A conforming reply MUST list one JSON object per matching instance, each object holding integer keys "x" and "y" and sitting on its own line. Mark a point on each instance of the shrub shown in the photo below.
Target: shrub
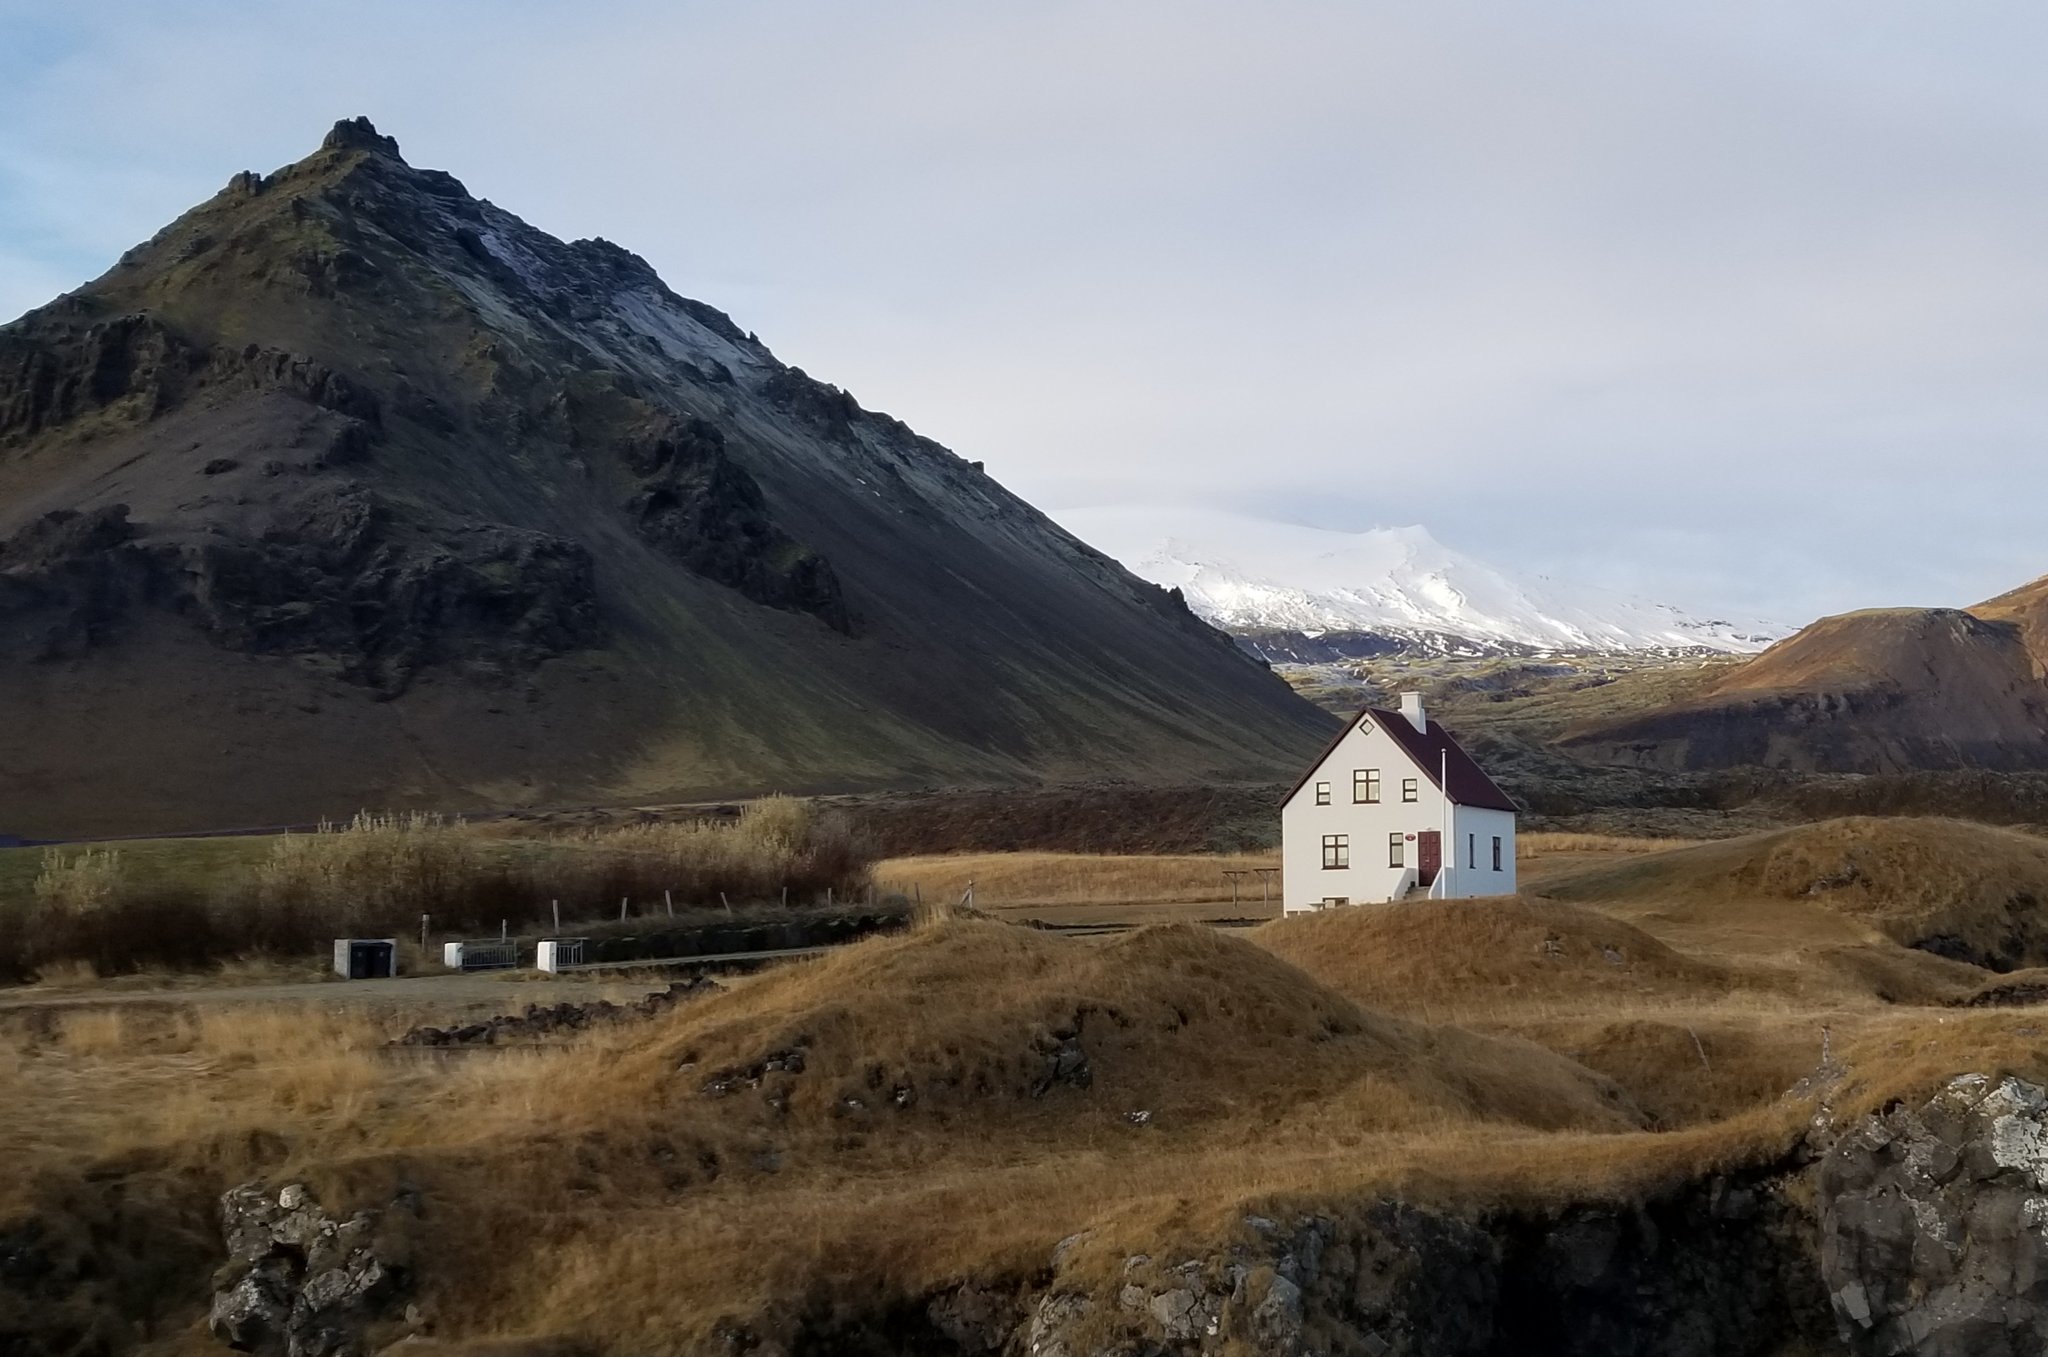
{"x": 78, "y": 886}
{"x": 376, "y": 875}
{"x": 85, "y": 910}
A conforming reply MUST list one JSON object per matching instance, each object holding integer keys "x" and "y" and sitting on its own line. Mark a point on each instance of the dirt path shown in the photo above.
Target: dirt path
{"x": 502, "y": 990}
{"x": 1133, "y": 915}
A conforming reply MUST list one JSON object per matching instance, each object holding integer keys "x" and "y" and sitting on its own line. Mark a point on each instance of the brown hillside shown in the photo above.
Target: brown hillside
{"x": 1890, "y": 690}
{"x": 2027, "y": 608}
{"x": 1959, "y": 889}
{"x": 877, "y": 1123}
{"x": 348, "y": 488}
{"x": 1458, "y": 958}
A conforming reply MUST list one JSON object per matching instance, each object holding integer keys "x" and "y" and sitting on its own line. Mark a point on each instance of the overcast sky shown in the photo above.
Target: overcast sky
{"x": 1742, "y": 305}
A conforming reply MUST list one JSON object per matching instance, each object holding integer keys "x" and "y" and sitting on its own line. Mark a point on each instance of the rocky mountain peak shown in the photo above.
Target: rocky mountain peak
{"x": 352, "y": 434}
{"x": 360, "y": 134}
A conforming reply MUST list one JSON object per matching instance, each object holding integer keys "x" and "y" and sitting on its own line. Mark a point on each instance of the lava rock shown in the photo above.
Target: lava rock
{"x": 545, "y": 1020}
{"x": 1934, "y": 1225}
{"x": 300, "y": 1282}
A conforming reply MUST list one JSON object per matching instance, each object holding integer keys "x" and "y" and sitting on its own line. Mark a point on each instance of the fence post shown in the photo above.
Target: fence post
{"x": 425, "y": 919}
{"x": 504, "y": 929}
{"x": 622, "y": 909}
{"x": 668, "y": 900}
{"x": 558, "y": 915}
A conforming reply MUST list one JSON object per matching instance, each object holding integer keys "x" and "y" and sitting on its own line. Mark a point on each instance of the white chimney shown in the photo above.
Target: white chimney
{"x": 1411, "y": 707}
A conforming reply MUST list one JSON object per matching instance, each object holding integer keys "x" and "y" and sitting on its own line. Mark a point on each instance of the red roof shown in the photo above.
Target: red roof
{"x": 1433, "y": 751}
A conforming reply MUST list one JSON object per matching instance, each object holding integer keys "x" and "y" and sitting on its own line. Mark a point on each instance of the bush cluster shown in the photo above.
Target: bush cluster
{"x": 376, "y": 875}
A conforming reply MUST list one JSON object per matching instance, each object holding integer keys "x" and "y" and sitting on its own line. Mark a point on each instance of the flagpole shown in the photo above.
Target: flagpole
{"x": 1449, "y": 852}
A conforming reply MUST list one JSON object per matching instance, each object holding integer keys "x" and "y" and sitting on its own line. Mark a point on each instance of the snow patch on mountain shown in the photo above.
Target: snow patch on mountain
{"x": 1254, "y": 575}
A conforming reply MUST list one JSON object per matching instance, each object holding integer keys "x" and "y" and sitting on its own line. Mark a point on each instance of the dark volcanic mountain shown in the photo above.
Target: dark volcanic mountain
{"x": 1883, "y": 691}
{"x": 350, "y": 489}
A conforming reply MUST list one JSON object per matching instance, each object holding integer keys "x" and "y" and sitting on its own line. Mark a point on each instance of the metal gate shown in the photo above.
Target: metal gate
{"x": 560, "y": 953}
{"x": 492, "y": 954}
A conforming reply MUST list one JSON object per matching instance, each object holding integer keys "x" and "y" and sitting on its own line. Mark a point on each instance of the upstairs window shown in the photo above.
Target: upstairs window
{"x": 1322, "y": 793}
{"x": 1365, "y": 787}
{"x": 1411, "y": 790}
{"x": 1394, "y": 851}
{"x": 1496, "y": 852}
{"x": 1336, "y": 852}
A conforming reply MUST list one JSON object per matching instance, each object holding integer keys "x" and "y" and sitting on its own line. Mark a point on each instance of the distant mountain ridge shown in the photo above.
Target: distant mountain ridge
{"x": 1885, "y": 690}
{"x": 1306, "y": 593}
{"x": 350, "y": 489}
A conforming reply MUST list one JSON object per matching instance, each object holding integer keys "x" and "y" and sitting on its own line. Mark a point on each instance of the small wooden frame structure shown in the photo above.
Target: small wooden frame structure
{"x": 1264, "y": 874}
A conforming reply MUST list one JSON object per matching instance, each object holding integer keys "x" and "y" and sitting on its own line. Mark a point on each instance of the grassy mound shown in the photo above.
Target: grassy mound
{"x": 824, "y": 1146}
{"x": 1472, "y": 959}
{"x": 1190, "y": 1025}
{"x": 1966, "y": 891}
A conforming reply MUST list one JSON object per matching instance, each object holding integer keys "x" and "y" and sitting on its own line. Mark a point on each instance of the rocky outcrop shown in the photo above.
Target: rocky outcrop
{"x": 1719, "y": 1270}
{"x": 701, "y": 507}
{"x": 300, "y": 1282}
{"x": 1934, "y": 1225}
{"x": 69, "y": 361}
{"x": 547, "y": 1020}
{"x": 342, "y": 579}
{"x": 68, "y": 365}
{"x": 693, "y": 500}
{"x": 357, "y": 584}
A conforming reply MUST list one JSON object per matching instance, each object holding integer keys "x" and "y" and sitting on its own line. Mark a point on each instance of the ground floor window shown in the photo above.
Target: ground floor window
{"x": 1496, "y": 852}
{"x": 1394, "y": 842}
{"x": 1333, "y": 901}
{"x": 1471, "y": 850}
{"x": 1336, "y": 851}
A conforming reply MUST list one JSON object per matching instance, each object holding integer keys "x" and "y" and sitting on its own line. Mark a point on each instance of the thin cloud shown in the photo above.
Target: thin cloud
{"x": 1733, "y": 303}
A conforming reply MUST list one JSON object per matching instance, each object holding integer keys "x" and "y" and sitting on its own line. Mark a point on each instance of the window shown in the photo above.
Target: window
{"x": 1496, "y": 852}
{"x": 1336, "y": 851}
{"x": 1471, "y": 850}
{"x": 1410, "y": 789}
{"x": 1333, "y": 901}
{"x": 1322, "y": 793}
{"x": 1365, "y": 786}
{"x": 1394, "y": 850}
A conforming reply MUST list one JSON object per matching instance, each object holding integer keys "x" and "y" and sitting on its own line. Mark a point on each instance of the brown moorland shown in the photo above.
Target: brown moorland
{"x": 650, "y": 1186}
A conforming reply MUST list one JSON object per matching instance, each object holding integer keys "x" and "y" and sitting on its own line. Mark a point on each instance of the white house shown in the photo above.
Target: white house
{"x": 1394, "y": 809}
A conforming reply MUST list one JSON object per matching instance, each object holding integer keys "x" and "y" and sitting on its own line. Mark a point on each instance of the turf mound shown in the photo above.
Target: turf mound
{"x": 984, "y": 1023}
{"x": 1965, "y": 891}
{"x": 1457, "y": 958}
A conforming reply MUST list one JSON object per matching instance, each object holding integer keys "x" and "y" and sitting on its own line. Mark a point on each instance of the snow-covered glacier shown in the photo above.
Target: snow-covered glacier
{"x": 1252, "y": 575}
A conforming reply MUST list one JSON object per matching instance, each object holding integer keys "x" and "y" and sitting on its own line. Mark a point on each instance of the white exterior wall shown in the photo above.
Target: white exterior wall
{"x": 1473, "y": 835}
{"x": 1370, "y": 879}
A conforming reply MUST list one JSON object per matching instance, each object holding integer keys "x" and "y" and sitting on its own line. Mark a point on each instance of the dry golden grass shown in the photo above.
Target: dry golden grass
{"x": 1545, "y": 844}
{"x": 1908, "y": 879}
{"x": 1002, "y": 879}
{"x": 1482, "y": 1053}
{"x": 1458, "y": 959}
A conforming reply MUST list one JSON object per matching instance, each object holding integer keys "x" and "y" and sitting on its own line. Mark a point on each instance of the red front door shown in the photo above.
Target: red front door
{"x": 1429, "y": 856}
